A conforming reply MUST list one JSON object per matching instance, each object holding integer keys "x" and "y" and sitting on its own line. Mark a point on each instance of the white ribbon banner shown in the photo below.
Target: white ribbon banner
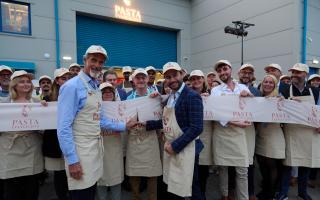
{"x": 27, "y": 116}
{"x": 33, "y": 116}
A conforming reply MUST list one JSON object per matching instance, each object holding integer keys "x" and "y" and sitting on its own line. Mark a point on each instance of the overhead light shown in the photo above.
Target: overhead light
{"x": 315, "y": 61}
{"x": 66, "y": 58}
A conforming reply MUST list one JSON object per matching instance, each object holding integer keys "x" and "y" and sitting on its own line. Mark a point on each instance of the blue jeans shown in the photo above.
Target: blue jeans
{"x": 303, "y": 176}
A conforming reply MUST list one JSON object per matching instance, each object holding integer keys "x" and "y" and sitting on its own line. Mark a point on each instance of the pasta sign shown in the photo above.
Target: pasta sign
{"x": 127, "y": 13}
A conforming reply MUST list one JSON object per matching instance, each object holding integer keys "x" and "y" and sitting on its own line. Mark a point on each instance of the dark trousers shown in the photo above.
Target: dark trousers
{"x": 270, "y": 170}
{"x": 61, "y": 184}
{"x": 25, "y": 187}
{"x": 203, "y": 173}
{"x": 303, "y": 177}
{"x": 1, "y": 190}
{"x": 84, "y": 194}
{"x": 251, "y": 180}
{"x": 313, "y": 174}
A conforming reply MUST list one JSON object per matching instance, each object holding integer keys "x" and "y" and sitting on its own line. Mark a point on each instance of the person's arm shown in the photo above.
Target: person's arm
{"x": 68, "y": 102}
{"x": 195, "y": 116}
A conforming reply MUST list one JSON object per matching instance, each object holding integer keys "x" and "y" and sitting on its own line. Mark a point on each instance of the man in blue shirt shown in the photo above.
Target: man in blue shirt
{"x": 5, "y": 74}
{"x": 80, "y": 117}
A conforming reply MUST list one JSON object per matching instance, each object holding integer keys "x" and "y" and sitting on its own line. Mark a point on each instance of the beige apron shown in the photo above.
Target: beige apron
{"x": 302, "y": 142}
{"x": 230, "y": 146}
{"x": 143, "y": 154}
{"x": 206, "y": 157}
{"x": 270, "y": 141}
{"x": 113, "y": 171}
{"x": 88, "y": 141}
{"x": 20, "y": 154}
{"x": 54, "y": 164}
{"x": 251, "y": 141}
{"x": 178, "y": 168}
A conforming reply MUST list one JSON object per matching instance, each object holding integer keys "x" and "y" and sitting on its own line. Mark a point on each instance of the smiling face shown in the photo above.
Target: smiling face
{"x": 5, "y": 78}
{"x": 197, "y": 82}
{"x": 298, "y": 76}
{"x": 45, "y": 84}
{"x": 23, "y": 86}
{"x": 140, "y": 81}
{"x": 93, "y": 64}
{"x": 107, "y": 94}
{"x": 224, "y": 72}
{"x": 268, "y": 85}
{"x": 315, "y": 82}
{"x": 246, "y": 75}
{"x": 174, "y": 79}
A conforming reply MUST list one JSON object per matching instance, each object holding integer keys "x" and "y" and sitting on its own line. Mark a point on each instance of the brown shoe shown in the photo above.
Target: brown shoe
{"x": 312, "y": 183}
{"x": 293, "y": 181}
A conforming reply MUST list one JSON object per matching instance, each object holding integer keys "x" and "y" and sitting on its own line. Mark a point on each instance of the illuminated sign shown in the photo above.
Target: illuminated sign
{"x": 127, "y": 13}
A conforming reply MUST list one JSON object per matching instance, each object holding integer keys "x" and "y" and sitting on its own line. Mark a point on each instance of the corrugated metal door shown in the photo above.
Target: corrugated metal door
{"x": 126, "y": 44}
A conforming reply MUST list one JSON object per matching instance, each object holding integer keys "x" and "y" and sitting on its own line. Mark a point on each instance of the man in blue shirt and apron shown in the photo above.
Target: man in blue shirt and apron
{"x": 80, "y": 117}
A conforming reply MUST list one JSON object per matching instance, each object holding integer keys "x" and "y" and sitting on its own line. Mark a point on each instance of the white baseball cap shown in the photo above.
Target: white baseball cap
{"x": 139, "y": 71}
{"x": 196, "y": 73}
{"x": 60, "y": 72}
{"x": 105, "y": 85}
{"x": 74, "y": 65}
{"x": 274, "y": 65}
{"x": 247, "y": 65}
{"x": 126, "y": 69}
{"x": 97, "y": 49}
{"x": 44, "y": 77}
{"x": 4, "y": 67}
{"x": 300, "y": 67}
{"x": 211, "y": 73}
{"x": 21, "y": 73}
{"x": 313, "y": 76}
{"x": 284, "y": 76}
{"x": 171, "y": 65}
{"x": 150, "y": 68}
{"x": 225, "y": 62}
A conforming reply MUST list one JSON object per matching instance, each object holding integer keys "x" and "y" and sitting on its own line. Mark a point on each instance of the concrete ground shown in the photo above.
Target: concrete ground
{"x": 47, "y": 190}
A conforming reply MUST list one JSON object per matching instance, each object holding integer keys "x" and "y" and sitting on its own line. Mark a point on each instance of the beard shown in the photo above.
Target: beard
{"x": 94, "y": 75}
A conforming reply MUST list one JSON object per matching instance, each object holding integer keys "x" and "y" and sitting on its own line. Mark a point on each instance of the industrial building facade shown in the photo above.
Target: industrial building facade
{"x": 41, "y": 35}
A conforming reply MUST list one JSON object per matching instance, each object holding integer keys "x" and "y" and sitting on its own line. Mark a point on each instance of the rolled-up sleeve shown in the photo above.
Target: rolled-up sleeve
{"x": 67, "y": 110}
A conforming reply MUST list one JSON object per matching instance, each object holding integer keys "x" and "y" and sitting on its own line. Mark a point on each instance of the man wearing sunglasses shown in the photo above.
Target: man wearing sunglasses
{"x": 5, "y": 74}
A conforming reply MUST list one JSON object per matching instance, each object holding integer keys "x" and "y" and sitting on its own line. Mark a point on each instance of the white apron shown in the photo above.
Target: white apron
{"x": 230, "y": 146}
{"x": 20, "y": 154}
{"x": 302, "y": 142}
{"x": 270, "y": 141}
{"x": 206, "y": 156}
{"x": 88, "y": 141}
{"x": 251, "y": 141}
{"x": 178, "y": 168}
{"x": 113, "y": 171}
{"x": 143, "y": 154}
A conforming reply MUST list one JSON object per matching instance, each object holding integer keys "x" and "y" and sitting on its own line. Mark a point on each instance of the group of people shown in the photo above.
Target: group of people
{"x": 91, "y": 156}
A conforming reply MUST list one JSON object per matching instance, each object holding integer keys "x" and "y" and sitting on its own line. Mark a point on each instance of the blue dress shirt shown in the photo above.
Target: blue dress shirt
{"x": 72, "y": 98}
